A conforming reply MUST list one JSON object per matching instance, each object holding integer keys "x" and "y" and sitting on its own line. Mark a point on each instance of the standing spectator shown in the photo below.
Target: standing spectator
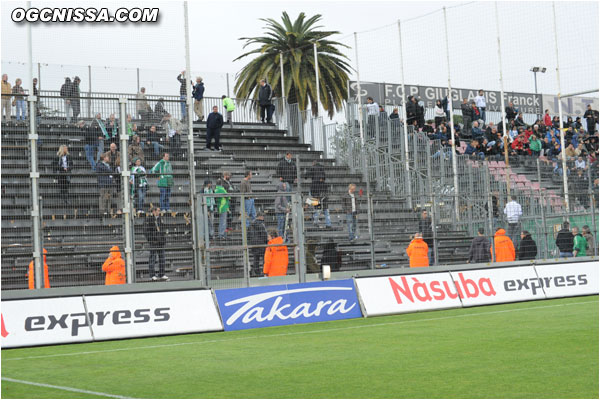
{"x": 64, "y": 167}
{"x": 257, "y": 236}
{"x": 142, "y": 108}
{"x": 286, "y": 172}
{"x": 467, "y": 114}
{"x": 115, "y": 165}
{"x": 31, "y": 274}
{"x": 198, "y": 95}
{"x": 505, "y": 250}
{"x": 421, "y": 113}
{"x": 447, "y": 106}
{"x": 513, "y": 212}
{"x": 394, "y": 116}
{"x": 417, "y": 252}
{"x": 172, "y": 127}
{"x": 112, "y": 127}
{"x": 276, "y": 257}
{"x": 547, "y": 119}
{"x": 229, "y": 106}
{"x": 527, "y": 248}
{"x": 265, "y": 94}
{"x": 165, "y": 181}
{"x": 479, "y": 250}
{"x": 350, "y": 208}
{"x": 153, "y": 139}
{"x": 6, "y": 92}
{"x": 210, "y": 207}
{"x": 438, "y": 113}
{"x": 372, "y": 114}
{"x": 411, "y": 110}
{"x": 114, "y": 266}
{"x": 99, "y": 128}
{"x": 589, "y": 238}
{"x": 75, "y": 97}
{"x": 535, "y": 145}
{"x": 156, "y": 235}
{"x": 214, "y": 123}
{"x": 281, "y": 208}
{"x": 222, "y": 208}
{"x": 564, "y": 241}
{"x": 427, "y": 234}
{"x": 105, "y": 184}
{"x": 246, "y": 187}
{"x": 134, "y": 150}
{"x": 579, "y": 243}
{"x": 511, "y": 112}
{"x": 139, "y": 183}
{"x": 19, "y": 100}
{"x": 94, "y": 142}
{"x": 230, "y": 188}
{"x": 591, "y": 119}
{"x": 159, "y": 109}
{"x": 182, "y": 93}
{"x": 480, "y": 103}
{"x": 65, "y": 93}
{"x": 318, "y": 189}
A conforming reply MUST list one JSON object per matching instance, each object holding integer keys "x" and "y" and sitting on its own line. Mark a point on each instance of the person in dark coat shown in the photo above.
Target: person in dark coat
{"x": 155, "y": 232}
{"x": 75, "y": 97}
{"x": 564, "y": 241}
{"x": 331, "y": 256}
{"x": 591, "y": 118}
{"x": 286, "y": 172}
{"x": 66, "y": 93}
{"x": 265, "y": 93}
{"x": 411, "y": 110}
{"x": 427, "y": 232}
{"x": 257, "y": 236}
{"x": 214, "y": 123}
{"x": 480, "y": 248}
{"x": 420, "y": 114}
{"x": 527, "y": 248}
{"x": 318, "y": 189}
{"x": 467, "y": 114}
{"x": 64, "y": 165}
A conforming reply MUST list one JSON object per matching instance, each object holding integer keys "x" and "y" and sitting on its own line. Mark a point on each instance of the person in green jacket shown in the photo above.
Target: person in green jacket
{"x": 222, "y": 208}
{"x": 535, "y": 145}
{"x": 229, "y": 107}
{"x": 165, "y": 181}
{"x": 210, "y": 207}
{"x": 579, "y": 243}
{"x": 139, "y": 183}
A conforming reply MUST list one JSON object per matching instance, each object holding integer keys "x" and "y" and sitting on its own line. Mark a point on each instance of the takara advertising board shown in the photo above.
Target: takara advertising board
{"x": 563, "y": 280}
{"x": 259, "y": 307}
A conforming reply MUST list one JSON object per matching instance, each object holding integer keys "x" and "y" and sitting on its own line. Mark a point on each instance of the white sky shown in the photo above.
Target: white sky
{"x": 158, "y": 49}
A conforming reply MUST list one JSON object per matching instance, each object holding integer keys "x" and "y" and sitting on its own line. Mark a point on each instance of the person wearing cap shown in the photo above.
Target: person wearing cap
{"x": 139, "y": 183}
{"x": 276, "y": 256}
{"x": 198, "y": 95}
{"x": 114, "y": 266}
{"x": 257, "y": 236}
{"x": 503, "y": 245}
{"x": 210, "y": 207}
{"x": 31, "y": 274}
{"x": 417, "y": 252}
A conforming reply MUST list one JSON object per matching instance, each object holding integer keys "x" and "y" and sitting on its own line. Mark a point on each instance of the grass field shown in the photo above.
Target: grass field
{"x": 543, "y": 349}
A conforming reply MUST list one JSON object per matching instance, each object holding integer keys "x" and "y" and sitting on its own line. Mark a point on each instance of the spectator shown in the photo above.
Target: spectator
{"x": 257, "y": 236}
{"x": 519, "y": 121}
{"x": 556, "y": 122}
{"x": 579, "y": 243}
{"x": 577, "y": 124}
{"x": 92, "y": 143}
{"x": 475, "y": 111}
{"x": 564, "y": 241}
{"x": 505, "y": 250}
{"x": 276, "y": 256}
{"x": 105, "y": 184}
{"x": 154, "y": 140}
{"x": 66, "y": 93}
{"x": 383, "y": 122}
{"x": 265, "y": 93}
{"x": 210, "y": 207}
{"x": 511, "y": 112}
{"x": 130, "y": 127}
{"x": 570, "y": 151}
{"x": 568, "y": 123}
{"x": 182, "y": 92}
{"x": 64, "y": 167}
{"x": 6, "y": 92}
{"x": 438, "y": 113}
{"x": 394, "y": 115}
{"x": 75, "y": 97}
{"x": 19, "y": 100}
{"x": 159, "y": 109}
{"x": 222, "y": 208}
{"x": 246, "y": 187}
{"x": 198, "y": 95}
{"x": 480, "y": 103}
{"x": 513, "y": 212}
{"x": 286, "y": 172}
{"x": 229, "y": 106}
{"x": 114, "y": 266}
{"x": 331, "y": 256}
{"x": 114, "y": 157}
{"x": 318, "y": 189}
{"x": 580, "y": 163}
{"x": 591, "y": 119}
{"x": 372, "y": 114}
{"x": 473, "y": 149}
{"x": 421, "y": 113}
{"x": 547, "y": 119}
{"x": 467, "y": 114}
{"x": 281, "y": 208}
{"x": 214, "y": 122}
{"x": 99, "y": 127}
{"x": 31, "y": 274}
{"x": 134, "y": 150}
{"x": 447, "y": 106}
{"x": 142, "y": 108}
{"x": 411, "y": 110}
{"x": 139, "y": 183}
{"x": 350, "y": 208}
{"x": 165, "y": 181}
{"x": 417, "y": 252}
{"x": 427, "y": 234}
{"x": 156, "y": 235}
{"x": 230, "y": 188}
{"x": 172, "y": 127}
{"x": 478, "y": 252}
{"x": 527, "y": 248}
{"x": 476, "y": 133}
{"x": 495, "y": 208}
{"x": 589, "y": 238}
{"x": 535, "y": 145}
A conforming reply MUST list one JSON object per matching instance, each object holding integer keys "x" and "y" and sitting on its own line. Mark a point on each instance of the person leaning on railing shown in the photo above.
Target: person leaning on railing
{"x": 6, "y": 92}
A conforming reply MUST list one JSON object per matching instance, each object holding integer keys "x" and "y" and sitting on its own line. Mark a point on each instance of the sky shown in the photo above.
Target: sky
{"x": 116, "y": 51}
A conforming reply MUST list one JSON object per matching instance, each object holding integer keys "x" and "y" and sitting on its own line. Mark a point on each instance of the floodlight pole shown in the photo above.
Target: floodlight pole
{"x": 405, "y": 124}
{"x": 502, "y": 111}
{"x": 317, "y": 78}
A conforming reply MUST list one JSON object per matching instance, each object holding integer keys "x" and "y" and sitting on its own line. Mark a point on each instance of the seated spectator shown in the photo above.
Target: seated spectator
{"x": 546, "y": 146}
{"x": 513, "y": 133}
{"x": 554, "y": 151}
{"x": 153, "y": 139}
{"x": 580, "y": 163}
{"x": 64, "y": 167}
{"x": 570, "y": 152}
{"x": 135, "y": 150}
{"x": 474, "y": 150}
{"x": 577, "y": 124}
{"x": 535, "y": 145}
{"x": 476, "y": 133}
{"x": 112, "y": 126}
{"x": 556, "y": 122}
{"x": 173, "y": 128}
{"x": 159, "y": 110}
{"x": 519, "y": 120}
{"x": 492, "y": 151}
{"x": 568, "y": 123}
{"x": 139, "y": 183}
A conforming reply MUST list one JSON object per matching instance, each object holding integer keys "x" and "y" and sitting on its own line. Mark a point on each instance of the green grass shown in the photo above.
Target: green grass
{"x": 543, "y": 349}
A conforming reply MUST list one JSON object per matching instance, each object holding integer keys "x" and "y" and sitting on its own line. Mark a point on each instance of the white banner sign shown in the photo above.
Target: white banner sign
{"x": 563, "y": 280}
{"x": 44, "y": 321}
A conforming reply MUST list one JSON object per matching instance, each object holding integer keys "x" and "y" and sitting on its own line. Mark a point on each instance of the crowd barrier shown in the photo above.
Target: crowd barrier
{"x": 87, "y": 318}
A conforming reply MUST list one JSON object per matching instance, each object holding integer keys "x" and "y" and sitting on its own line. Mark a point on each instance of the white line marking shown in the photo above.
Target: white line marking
{"x": 292, "y": 333}
{"x": 68, "y": 389}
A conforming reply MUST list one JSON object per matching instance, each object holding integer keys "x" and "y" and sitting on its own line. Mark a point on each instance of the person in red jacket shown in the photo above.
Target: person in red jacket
{"x": 31, "y": 274}
{"x": 505, "y": 250}
{"x": 417, "y": 252}
{"x": 114, "y": 266}
{"x": 276, "y": 258}
{"x": 547, "y": 119}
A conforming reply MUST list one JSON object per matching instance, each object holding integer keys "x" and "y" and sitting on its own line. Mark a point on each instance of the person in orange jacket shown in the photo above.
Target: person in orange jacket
{"x": 276, "y": 258}
{"x": 417, "y": 252}
{"x": 505, "y": 250}
{"x": 31, "y": 274}
{"x": 114, "y": 266}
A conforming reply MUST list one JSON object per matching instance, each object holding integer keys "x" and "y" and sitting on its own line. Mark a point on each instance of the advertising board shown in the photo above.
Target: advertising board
{"x": 563, "y": 280}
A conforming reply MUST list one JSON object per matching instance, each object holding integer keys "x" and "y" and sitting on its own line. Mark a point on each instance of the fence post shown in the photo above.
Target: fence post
{"x": 490, "y": 208}
{"x": 245, "y": 240}
{"x": 89, "y": 105}
{"x": 207, "y": 230}
{"x": 39, "y": 77}
{"x": 125, "y": 174}
{"x": 543, "y": 209}
{"x": 404, "y": 122}
{"x": 432, "y": 200}
{"x": 36, "y": 213}
{"x": 299, "y": 236}
{"x": 201, "y": 223}
{"x": 592, "y": 207}
{"x": 138, "y": 79}
{"x": 316, "y": 77}
{"x": 323, "y": 137}
{"x": 283, "y": 105}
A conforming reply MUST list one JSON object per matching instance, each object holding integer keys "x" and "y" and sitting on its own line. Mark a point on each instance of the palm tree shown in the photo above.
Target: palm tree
{"x": 296, "y": 40}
